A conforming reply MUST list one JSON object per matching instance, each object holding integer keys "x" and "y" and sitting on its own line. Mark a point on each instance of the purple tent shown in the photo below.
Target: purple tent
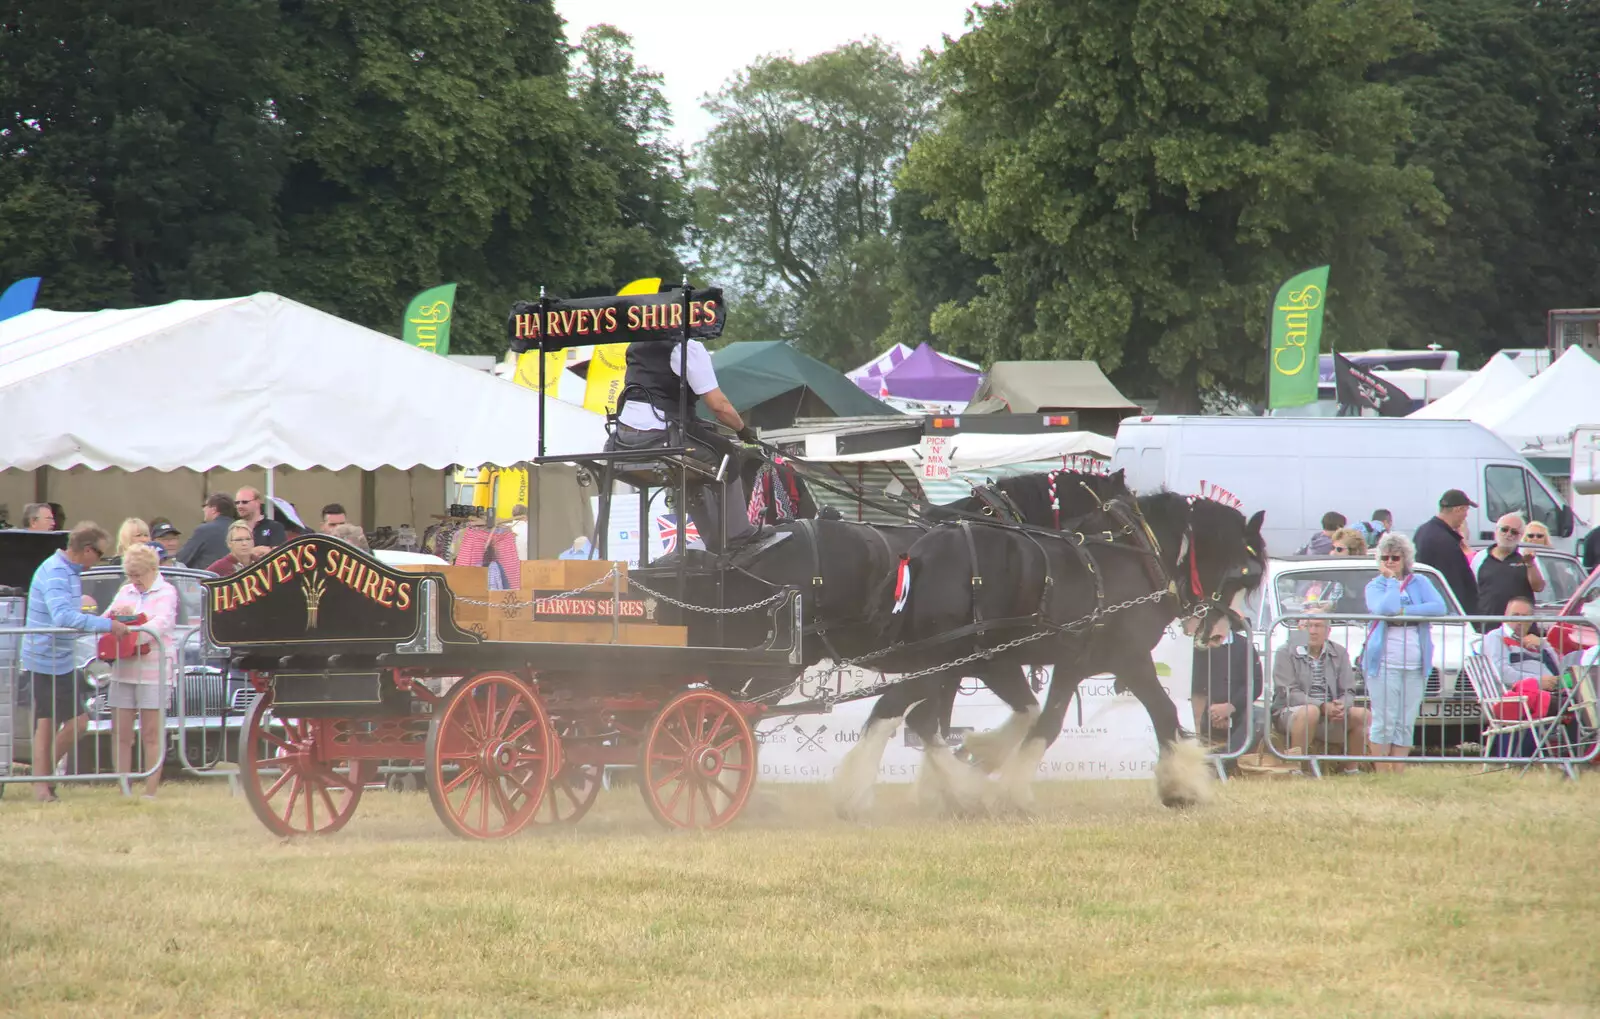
{"x": 924, "y": 375}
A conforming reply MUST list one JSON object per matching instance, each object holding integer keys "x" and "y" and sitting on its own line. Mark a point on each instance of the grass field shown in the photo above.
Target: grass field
{"x": 1428, "y": 894}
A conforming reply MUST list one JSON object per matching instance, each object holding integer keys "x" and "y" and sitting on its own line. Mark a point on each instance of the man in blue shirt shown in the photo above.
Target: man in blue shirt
{"x": 55, "y": 600}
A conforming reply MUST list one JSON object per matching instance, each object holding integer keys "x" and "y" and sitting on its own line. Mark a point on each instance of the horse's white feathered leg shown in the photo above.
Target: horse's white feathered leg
{"x": 990, "y": 750}
{"x": 857, "y": 776}
{"x": 1183, "y": 778}
{"x": 1015, "y": 787}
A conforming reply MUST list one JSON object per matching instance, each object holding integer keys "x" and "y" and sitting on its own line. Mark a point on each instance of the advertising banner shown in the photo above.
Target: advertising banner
{"x": 1296, "y": 339}
{"x": 427, "y": 321}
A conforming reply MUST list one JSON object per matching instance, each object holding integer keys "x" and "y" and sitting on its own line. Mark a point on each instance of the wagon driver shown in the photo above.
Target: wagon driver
{"x": 642, "y": 423}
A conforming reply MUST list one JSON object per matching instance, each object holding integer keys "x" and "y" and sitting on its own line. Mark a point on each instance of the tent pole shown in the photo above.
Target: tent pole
{"x": 270, "y": 492}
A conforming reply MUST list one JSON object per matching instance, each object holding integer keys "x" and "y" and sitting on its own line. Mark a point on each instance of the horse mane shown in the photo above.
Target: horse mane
{"x": 1076, "y": 494}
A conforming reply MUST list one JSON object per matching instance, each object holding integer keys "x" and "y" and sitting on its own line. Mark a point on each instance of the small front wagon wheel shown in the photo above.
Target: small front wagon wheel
{"x": 698, "y": 763}
{"x": 488, "y": 756}
{"x": 292, "y": 776}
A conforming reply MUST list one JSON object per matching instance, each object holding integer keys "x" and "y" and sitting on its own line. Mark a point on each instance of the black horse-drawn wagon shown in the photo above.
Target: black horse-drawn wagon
{"x": 357, "y": 664}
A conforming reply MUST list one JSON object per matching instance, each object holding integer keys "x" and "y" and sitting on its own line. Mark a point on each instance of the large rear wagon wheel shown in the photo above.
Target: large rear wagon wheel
{"x": 293, "y": 782}
{"x": 698, "y": 762}
{"x": 488, "y": 756}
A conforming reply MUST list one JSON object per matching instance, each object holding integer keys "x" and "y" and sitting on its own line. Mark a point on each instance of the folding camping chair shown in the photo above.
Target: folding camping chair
{"x": 1509, "y": 717}
{"x": 1583, "y": 703}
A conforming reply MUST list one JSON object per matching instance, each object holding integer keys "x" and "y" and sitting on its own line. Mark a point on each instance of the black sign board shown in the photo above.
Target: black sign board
{"x": 314, "y": 590}
{"x": 552, "y": 324}
{"x": 596, "y": 607}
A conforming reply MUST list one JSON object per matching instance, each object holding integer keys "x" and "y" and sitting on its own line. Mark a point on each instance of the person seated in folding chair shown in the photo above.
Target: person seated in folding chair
{"x": 641, "y": 423}
{"x": 1525, "y": 664}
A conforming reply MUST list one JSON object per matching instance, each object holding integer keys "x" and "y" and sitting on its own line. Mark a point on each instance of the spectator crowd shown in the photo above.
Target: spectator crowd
{"x": 137, "y": 626}
{"x": 1368, "y": 708}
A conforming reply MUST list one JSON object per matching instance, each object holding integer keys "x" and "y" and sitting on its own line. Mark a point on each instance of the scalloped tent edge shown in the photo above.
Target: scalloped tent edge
{"x": 258, "y": 381}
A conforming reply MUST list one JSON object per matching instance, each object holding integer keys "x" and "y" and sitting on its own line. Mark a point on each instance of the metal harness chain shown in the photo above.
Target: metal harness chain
{"x": 779, "y": 596}
{"x": 828, "y": 699}
{"x": 526, "y": 604}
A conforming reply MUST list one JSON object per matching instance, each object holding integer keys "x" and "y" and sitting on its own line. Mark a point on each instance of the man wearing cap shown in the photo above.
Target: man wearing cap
{"x": 1441, "y": 545}
{"x": 168, "y": 537}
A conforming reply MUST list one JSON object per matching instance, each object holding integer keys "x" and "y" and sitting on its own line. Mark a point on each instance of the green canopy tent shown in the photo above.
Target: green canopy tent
{"x": 770, "y": 383}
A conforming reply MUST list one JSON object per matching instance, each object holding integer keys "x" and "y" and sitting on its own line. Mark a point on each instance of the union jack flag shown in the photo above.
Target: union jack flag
{"x": 667, "y": 527}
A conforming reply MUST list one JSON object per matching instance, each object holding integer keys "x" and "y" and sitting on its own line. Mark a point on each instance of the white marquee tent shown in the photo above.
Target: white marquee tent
{"x": 259, "y": 381}
{"x": 1497, "y": 379}
{"x": 1550, "y": 405}
{"x": 221, "y": 393}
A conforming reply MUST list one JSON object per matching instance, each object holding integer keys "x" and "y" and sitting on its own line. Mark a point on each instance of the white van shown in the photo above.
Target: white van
{"x": 1297, "y": 469}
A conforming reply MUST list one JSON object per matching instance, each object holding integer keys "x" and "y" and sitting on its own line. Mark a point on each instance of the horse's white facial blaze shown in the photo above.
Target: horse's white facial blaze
{"x": 858, "y": 772}
{"x": 991, "y": 750}
{"x": 1240, "y": 603}
{"x": 1191, "y": 626}
{"x": 1220, "y": 628}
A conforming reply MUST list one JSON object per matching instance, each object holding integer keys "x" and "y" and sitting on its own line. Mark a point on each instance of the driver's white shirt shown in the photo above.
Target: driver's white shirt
{"x": 638, "y": 413}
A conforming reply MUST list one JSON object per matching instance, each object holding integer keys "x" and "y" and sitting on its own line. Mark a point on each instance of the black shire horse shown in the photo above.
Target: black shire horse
{"x": 1191, "y": 557}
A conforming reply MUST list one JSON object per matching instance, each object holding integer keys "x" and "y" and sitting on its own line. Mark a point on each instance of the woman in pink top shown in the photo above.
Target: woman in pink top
{"x": 137, "y": 682}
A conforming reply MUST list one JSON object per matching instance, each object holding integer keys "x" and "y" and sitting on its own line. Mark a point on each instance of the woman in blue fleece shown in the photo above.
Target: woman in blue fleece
{"x": 1398, "y": 654}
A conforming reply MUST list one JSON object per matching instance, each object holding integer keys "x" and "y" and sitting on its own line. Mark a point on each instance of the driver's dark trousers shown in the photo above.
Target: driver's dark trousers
{"x": 709, "y": 502}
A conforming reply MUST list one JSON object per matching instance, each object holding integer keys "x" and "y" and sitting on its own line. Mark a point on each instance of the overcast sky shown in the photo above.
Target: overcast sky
{"x": 697, "y": 46}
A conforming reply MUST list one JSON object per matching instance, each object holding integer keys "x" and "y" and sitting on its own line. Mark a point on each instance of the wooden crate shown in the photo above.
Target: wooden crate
{"x": 486, "y": 630}
{"x": 526, "y": 631}
{"x": 569, "y": 574}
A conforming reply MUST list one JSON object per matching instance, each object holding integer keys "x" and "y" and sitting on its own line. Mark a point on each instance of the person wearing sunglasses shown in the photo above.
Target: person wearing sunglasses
{"x": 1399, "y": 653}
{"x": 269, "y": 533}
{"x": 1504, "y": 571}
{"x": 1349, "y": 541}
{"x": 1536, "y": 534}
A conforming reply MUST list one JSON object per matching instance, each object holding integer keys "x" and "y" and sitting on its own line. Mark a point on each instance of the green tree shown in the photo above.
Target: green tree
{"x": 435, "y": 144}
{"x": 930, "y": 271}
{"x": 797, "y": 181}
{"x": 630, "y": 117}
{"x": 1570, "y": 29}
{"x": 1143, "y": 175}
{"x": 138, "y": 159}
{"x": 1490, "y": 113}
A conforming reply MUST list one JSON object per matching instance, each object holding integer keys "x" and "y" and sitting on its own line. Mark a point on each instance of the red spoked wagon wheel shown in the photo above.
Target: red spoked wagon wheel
{"x": 292, "y": 778}
{"x": 488, "y": 756}
{"x": 573, "y": 788}
{"x": 698, "y": 762}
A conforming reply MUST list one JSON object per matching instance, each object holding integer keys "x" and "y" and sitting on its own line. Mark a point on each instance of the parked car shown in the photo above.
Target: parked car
{"x": 1563, "y": 574}
{"x": 1566, "y": 638}
{"x": 1337, "y": 585}
{"x": 215, "y": 697}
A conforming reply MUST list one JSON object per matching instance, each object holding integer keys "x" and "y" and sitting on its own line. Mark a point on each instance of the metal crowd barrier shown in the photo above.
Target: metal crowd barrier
{"x": 96, "y": 728}
{"x": 1540, "y": 694}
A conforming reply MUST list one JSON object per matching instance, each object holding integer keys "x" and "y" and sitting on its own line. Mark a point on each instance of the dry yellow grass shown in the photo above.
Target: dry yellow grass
{"x": 1434, "y": 894}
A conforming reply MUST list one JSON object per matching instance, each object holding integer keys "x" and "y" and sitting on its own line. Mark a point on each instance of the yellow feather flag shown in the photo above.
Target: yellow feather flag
{"x": 526, "y": 373}
{"x": 610, "y": 361}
